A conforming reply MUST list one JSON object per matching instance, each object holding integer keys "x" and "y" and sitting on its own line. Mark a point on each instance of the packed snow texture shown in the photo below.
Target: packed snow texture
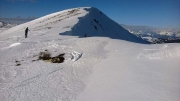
{"x": 111, "y": 66}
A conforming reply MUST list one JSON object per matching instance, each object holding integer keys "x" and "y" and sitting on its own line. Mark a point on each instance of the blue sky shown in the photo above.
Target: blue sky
{"x": 155, "y": 13}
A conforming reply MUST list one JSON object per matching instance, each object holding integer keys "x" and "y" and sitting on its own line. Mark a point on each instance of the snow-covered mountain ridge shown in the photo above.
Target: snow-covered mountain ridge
{"x": 80, "y": 21}
{"x": 99, "y": 67}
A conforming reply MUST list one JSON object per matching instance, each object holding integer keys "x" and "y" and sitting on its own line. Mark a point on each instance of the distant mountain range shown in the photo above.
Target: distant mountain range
{"x": 155, "y": 35}
{"x": 4, "y": 26}
{"x": 7, "y": 25}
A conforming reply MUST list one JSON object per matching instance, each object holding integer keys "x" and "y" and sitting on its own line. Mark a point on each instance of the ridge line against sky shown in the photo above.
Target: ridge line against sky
{"x": 154, "y": 13}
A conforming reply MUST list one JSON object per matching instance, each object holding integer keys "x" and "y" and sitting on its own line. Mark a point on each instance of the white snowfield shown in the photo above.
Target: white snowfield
{"x": 110, "y": 64}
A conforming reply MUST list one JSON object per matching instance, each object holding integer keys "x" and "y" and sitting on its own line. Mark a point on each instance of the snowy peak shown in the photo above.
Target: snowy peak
{"x": 96, "y": 23}
{"x": 81, "y": 22}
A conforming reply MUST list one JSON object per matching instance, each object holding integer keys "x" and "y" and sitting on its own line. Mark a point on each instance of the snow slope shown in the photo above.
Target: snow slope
{"x": 99, "y": 68}
{"x": 135, "y": 72}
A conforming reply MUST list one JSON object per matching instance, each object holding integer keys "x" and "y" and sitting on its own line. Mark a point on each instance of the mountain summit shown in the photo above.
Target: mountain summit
{"x": 85, "y": 21}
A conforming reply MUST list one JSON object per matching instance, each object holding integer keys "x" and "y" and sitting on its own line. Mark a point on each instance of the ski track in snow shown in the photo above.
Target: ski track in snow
{"x": 76, "y": 56}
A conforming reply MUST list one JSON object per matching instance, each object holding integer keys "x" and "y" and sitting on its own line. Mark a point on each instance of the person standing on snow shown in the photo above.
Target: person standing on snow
{"x": 85, "y": 35}
{"x": 26, "y": 32}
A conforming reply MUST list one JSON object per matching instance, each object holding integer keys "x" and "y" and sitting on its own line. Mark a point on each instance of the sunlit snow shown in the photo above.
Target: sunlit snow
{"x": 110, "y": 64}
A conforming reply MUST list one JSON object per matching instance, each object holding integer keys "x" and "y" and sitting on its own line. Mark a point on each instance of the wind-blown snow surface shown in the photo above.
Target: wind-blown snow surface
{"x": 95, "y": 68}
{"x": 135, "y": 72}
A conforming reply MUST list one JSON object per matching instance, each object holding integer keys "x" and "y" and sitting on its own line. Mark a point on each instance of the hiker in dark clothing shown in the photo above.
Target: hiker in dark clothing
{"x": 26, "y": 32}
{"x": 85, "y": 35}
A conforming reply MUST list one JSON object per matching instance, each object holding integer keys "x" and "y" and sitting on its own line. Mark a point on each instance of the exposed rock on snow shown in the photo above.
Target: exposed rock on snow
{"x": 46, "y": 56}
